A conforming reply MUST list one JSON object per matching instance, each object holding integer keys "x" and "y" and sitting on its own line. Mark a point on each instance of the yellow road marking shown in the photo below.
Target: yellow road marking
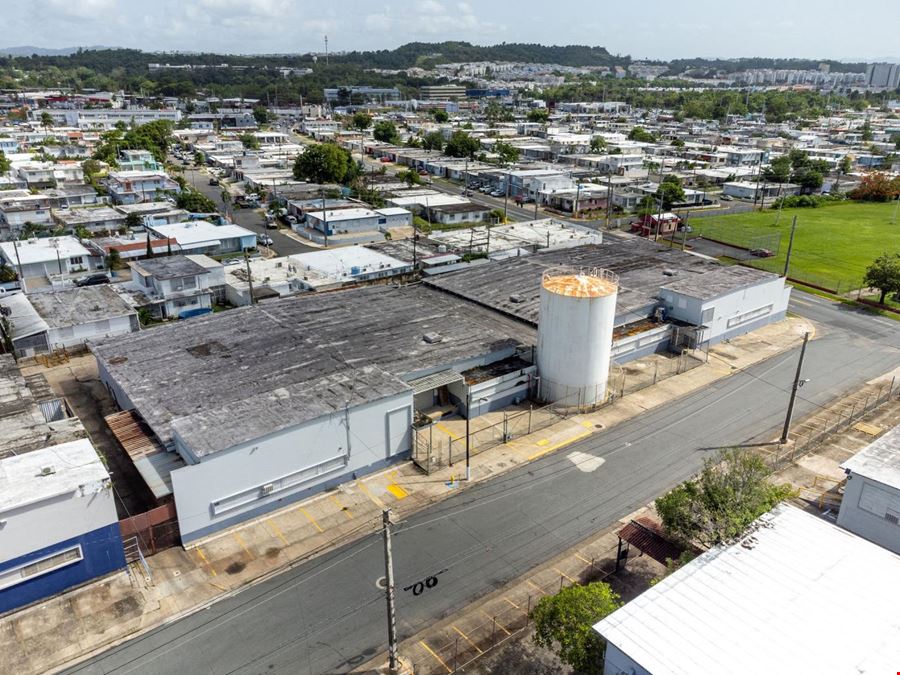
{"x": 582, "y": 559}
{"x": 494, "y": 619}
{"x": 376, "y": 500}
{"x": 543, "y": 441}
{"x": 343, "y": 508}
{"x": 397, "y": 491}
{"x": 311, "y": 519}
{"x": 206, "y": 561}
{"x": 512, "y": 603}
{"x": 563, "y": 574}
{"x": 587, "y": 425}
{"x": 441, "y": 426}
{"x": 545, "y": 451}
{"x": 240, "y": 541}
{"x": 277, "y": 530}
{"x": 534, "y": 585}
{"x": 466, "y": 638}
{"x": 395, "y": 474}
{"x": 437, "y": 658}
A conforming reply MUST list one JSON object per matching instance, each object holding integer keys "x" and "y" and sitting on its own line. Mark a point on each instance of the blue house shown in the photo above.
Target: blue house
{"x": 58, "y": 523}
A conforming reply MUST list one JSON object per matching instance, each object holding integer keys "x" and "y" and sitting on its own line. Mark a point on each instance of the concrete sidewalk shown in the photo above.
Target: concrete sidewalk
{"x": 102, "y": 614}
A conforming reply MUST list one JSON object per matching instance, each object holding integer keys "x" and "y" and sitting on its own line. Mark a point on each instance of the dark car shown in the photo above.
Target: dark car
{"x": 92, "y": 280}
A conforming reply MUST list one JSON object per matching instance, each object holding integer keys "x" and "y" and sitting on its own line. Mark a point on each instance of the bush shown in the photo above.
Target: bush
{"x": 806, "y": 201}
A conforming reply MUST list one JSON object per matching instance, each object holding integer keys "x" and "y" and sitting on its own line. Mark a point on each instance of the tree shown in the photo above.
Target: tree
{"x": 779, "y": 170}
{"x": 325, "y": 163}
{"x": 876, "y": 187}
{"x": 386, "y": 132}
{"x": 4, "y": 162}
{"x": 46, "y": 120}
{"x": 360, "y": 121}
{"x": 249, "y": 141}
{"x": 641, "y": 135}
{"x": 494, "y": 112}
{"x": 440, "y": 116}
{"x": 410, "y": 177}
{"x": 195, "y": 202}
{"x": 731, "y": 492}
{"x": 648, "y": 206}
{"x": 149, "y": 252}
{"x": 133, "y": 220}
{"x": 261, "y": 115}
{"x": 540, "y": 115}
{"x": 846, "y": 164}
{"x": 91, "y": 168}
{"x": 598, "y": 144}
{"x": 113, "y": 259}
{"x": 506, "y": 152}
{"x": 433, "y": 140}
{"x": 866, "y": 131}
{"x": 884, "y": 274}
{"x": 677, "y": 143}
{"x": 670, "y": 191}
{"x": 462, "y": 144}
{"x": 564, "y": 623}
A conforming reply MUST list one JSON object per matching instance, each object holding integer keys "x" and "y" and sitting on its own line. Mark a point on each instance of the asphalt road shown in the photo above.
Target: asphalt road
{"x": 251, "y": 219}
{"x": 327, "y": 615}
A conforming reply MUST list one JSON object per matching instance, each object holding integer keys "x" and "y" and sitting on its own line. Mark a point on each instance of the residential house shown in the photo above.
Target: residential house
{"x": 91, "y": 218}
{"x": 49, "y": 257}
{"x": 200, "y": 236}
{"x": 173, "y": 286}
{"x": 128, "y": 187}
{"x": 20, "y": 207}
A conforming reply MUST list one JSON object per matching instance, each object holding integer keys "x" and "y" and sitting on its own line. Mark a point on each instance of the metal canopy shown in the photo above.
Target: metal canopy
{"x": 428, "y": 382}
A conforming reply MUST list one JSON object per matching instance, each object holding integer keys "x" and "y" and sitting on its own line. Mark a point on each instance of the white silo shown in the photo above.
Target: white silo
{"x": 578, "y": 310}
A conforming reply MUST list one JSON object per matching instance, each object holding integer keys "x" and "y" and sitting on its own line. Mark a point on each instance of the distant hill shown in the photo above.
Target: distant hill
{"x": 28, "y": 50}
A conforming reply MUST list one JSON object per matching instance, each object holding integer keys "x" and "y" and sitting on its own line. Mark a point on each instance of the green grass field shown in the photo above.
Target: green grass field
{"x": 833, "y": 244}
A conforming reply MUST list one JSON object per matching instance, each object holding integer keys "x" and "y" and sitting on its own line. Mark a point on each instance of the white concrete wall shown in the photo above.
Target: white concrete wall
{"x": 619, "y": 663}
{"x": 227, "y": 487}
{"x": 863, "y": 510}
{"x": 30, "y": 528}
{"x": 78, "y": 334}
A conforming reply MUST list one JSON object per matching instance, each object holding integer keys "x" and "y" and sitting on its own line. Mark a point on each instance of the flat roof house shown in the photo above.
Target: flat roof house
{"x": 871, "y": 503}
{"x": 172, "y": 286}
{"x": 200, "y": 236}
{"x": 48, "y": 257}
{"x": 51, "y": 320}
{"x": 758, "y": 606}
{"x": 129, "y": 187}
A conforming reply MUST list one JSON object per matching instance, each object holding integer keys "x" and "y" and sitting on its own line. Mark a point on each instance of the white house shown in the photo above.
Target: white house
{"x": 58, "y": 522}
{"x": 48, "y": 257}
{"x": 18, "y": 207}
{"x": 200, "y": 236}
{"x": 871, "y": 503}
{"x": 174, "y": 286}
{"x": 128, "y": 187}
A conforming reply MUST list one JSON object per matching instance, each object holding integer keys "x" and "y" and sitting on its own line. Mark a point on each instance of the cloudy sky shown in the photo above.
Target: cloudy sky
{"x": 863, "y": 29}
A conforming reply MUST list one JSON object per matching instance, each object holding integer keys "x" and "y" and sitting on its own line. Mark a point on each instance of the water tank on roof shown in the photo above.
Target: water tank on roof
{"x": 354, "y": 271}
{"x": 577, "y": 315}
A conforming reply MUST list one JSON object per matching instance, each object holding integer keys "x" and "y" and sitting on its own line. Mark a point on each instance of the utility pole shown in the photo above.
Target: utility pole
{"x": 468, "y": 415}
{"x": 466, "y": 190}
{"x": 894, "y": 216}
{"x": 506, "y": 196}
{"x": 608, "y": 197}
{"x": 326, "y": 50}
{"x": 787, "y": 259}
{"x": 324, "y": 218}
{"x": 249, "y": 277}
{"x": 797, "y": 384}
{"x": 389, "y": 592}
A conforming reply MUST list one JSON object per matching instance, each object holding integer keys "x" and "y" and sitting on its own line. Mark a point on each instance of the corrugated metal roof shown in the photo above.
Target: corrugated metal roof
{"x": 149, "y": 456}
{"x": 795, "y": 595}
{"x": 433, "y": 381}
{"x": 646, "y": 535}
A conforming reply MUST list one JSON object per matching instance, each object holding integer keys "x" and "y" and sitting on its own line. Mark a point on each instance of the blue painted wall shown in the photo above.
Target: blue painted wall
{"x": 102, "y": 551}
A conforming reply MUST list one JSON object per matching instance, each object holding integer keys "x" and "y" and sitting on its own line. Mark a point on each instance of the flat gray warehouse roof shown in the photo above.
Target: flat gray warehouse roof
{"x": 719, "y": 281}
{"x": 209, "y": 362}
{"x": 643, "y": 267}
{"x": 169, "y": 267}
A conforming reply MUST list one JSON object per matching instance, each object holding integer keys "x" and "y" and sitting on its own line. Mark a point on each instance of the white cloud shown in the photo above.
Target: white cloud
{"x": 379, "y": 22}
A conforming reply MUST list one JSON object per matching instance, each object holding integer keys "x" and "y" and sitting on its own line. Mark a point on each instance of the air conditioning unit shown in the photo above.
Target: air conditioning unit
{"x": 48, "y": 470}
{"x": 267, "y": 489}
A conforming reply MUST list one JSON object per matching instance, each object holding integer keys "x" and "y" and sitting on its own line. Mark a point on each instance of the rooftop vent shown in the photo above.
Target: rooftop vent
{"x": 516, "y": 298}
{"x": 669, "y": 273}
{"x": 432, "y": 338}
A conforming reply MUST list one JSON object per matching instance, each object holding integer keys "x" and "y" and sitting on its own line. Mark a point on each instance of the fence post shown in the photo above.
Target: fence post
{"x": 655, "y": 371}
{"x": 528, "y": 611}
{"x": 530, "y": 410}
{"x": 505, "y": 427}
{"x": 592, "y": 566}
{"x": 852, "y": 410}
{"x": 561, "y": 579}
{"x": 493, "y": 630}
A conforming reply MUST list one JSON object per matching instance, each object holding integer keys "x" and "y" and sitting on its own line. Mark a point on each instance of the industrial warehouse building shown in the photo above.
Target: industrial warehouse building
{"x": 270, "y": 403}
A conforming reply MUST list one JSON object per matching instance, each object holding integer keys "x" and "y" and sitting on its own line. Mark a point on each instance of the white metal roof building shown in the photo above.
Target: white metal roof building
{"x": 871, "y": 503}
{"x": 200, "y": 236}
{"x": 795, "y": 595}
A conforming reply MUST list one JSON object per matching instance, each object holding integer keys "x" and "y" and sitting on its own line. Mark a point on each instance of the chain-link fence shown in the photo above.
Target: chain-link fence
{"x": 433, "y": 451}
{"x": 502, "y": 624}
{"x": 813, "y": 431}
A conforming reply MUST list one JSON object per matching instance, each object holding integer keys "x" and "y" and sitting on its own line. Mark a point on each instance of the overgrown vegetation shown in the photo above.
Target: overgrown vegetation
{"x": 732, "y": 491}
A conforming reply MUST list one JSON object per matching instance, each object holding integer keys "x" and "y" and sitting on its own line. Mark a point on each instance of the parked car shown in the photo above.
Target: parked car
{"x": 232, "y": 261}
{"x": 726, "y": 198}
{"x": 264, "y": 239}
{"x": 92, "y": 280}
{"x": 213, "y": 181}
{"x": 292, "y": 220}
{"x": 497, "y": 193}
